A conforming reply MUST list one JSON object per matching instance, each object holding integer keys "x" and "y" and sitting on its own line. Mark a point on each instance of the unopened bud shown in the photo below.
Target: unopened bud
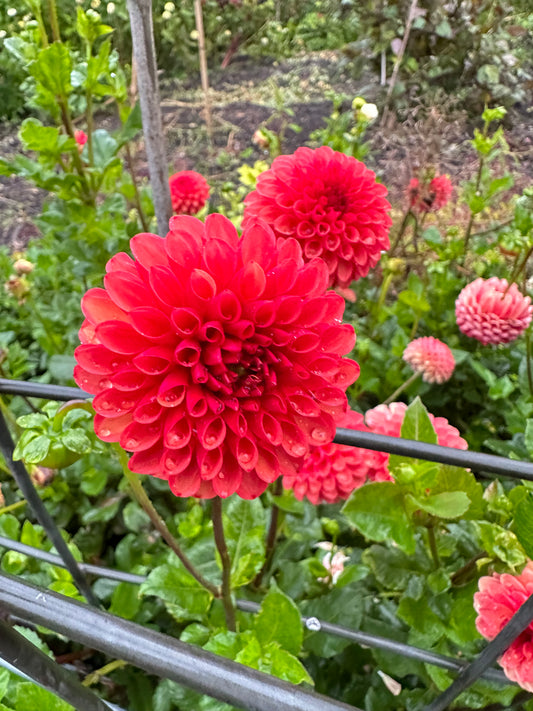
{"x": 23, "y": 266}
{"x": 18, "y": 287}
{"x": 42, "y": 476}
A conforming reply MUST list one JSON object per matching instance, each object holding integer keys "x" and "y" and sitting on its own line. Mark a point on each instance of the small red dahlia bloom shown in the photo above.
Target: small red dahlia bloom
{"x": 387, "y": 420}
{"x": 81, "y": 138}
{"x": 499, "y": 597}
{"x": 331, "y": 203}
{"x": 330, "y": 473}
{"x": 188, "y": 191}
{"x": 491, "y": 311}
{"x": 431, "y": 196}
{"x": 430, "y": 357}
{"x": 216, "y": 360}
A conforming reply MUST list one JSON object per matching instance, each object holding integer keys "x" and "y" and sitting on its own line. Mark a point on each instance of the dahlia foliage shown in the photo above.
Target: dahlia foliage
{"x": 499, "y": 597}
{"x": 429, "y": 197}
{"x": 216, "y": 360}
{"x": 491, "y": 311}
{"x": 189, "y": 192}
{"x": 331, "y": 203}
{"x": 330, "y": 473}
{"x": 431, "y": 358}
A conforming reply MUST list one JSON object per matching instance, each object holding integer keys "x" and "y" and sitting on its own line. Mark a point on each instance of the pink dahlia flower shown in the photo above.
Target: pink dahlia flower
{"x": 331, "y": 472}
{"x": 429, "y": 197}
{"x": 188, "y": 191}
{"x": 491, "y": 311}
{"x": 216, "y": 360}
{"x": 81, "y": 138}
{"x": 430, "y": 357}
{"x": 331, "y": 203}
{"x": 499, "y": 597}
{"x": 388, "y": 420}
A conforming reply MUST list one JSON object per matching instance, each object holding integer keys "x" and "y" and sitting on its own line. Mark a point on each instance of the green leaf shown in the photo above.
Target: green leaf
{"x": 528, "y": 438}
{"x": 135, "y": 518}
{"x": 93, "y": 481}
{"x": 35, "y": 420}
{"x": 30, "y": 696}
{"x": 184, "y": 596}
{"x": 37, "y": 449}
{"x": 61, "y": 367}
{"x": 488, "y": 74}
{"x": 448, "y": 504}
{"x": 495, "y": 114}
{"x": 77, "y": 441}
{"x": 500, "y": 543}
{"x": 44, "y": 139}
{"x": 104, "y": 148}
{"x": 444, "y": 29}
{"x": 417, "y": 425}
{"x": 125, "y": 601}
{"x": 456, "y": 479}
{"x": 420, "y": 616}
{"x": 378, "y": 511}
{"x": 432, "y": 235}
{"x": 523, "y": 522}
{"x": 283, "y": 664}
{"x": 244, "y": 528}
{"x": 279, "y": 621}
{"x": 52, "y": 69}
{"x": 132, "y": 126}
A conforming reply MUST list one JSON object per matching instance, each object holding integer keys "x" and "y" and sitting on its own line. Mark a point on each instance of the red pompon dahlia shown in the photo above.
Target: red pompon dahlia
{"x": 331, "y": 472}
{"x": 81, "y": 138}
{"x": 491, "y": 311}
{"x": 189, "y": 192}
{"x": 331, "y": 203}
{"x": 387, "y": 420}
{"x": 429, "y": 197}
{"x": 216, "y": 360}
{"x": 499, "y": 597}
{"x": 430, "y": 357}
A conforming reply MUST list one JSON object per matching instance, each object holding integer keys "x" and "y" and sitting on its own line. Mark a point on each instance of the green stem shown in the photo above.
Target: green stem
{"x": 271, "y": 535}
{"x": 528, "y": 361}
{"x": 402, "y": 387}
{"x": 54, "y": 21}
{"x": 518, "y": 268}
{"x": 137, "y": 197}
{"x": 88, "y": 197}
{"x": 401, "y": 231}
{"x": 13, "y": 507}
{"x": 96, "y": 675}
{"x": 433, "y": 546}
{"x": 143, "y": 500}
{"x": 220, "y": 541}
{"x": 468, "y": 232}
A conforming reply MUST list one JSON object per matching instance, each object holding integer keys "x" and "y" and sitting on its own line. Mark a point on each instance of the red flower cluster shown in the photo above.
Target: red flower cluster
{"x": 331, "y": 472}
{"x": 491, "y": 311}
{"x": 430, "y": 357}
{"x": 216, "y": 360}
{"x": 431, "y": 197}
{"x": 81, "y": 138}
{"x": 189, "y": 192}
{"x": 331, "y": 203}
{"x": 499, "y": 597}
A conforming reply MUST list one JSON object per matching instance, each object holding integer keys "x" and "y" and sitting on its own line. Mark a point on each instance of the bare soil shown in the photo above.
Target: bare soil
{"x": 250, "y": 92}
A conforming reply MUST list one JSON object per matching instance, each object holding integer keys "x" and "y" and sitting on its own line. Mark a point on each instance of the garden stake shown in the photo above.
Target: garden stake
{"x": 25, "y": 484}
{"x": 40, "y": 668}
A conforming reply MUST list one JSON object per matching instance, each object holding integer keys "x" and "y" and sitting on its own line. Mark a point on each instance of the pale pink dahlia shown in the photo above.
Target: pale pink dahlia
{"x": 188, "y": 192}
{"x": 331, "y": 203}
{"x": 430, "y": 357}
{"x": 331, "y": 472}
{"x": 216, "y": 360}
{"x": 388, "y": 420}
{"x": 499, "y": 597}
{"x": 491, "y": 311}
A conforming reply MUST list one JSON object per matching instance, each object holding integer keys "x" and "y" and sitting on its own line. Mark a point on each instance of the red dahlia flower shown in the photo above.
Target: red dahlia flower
{"x": 387, "y": 420}
{"x": 499, "y": 597}
{"x": 81, "y": 138}
{"x": 429, "y": 197}
{"x": 188, "y": 191}
{"x": 430, "y": 357}
{"x": 491, "y": 311}
{"x": 331, "y": 472}
{"x": 216, "y": 360}
{"x": 331, "y": 204}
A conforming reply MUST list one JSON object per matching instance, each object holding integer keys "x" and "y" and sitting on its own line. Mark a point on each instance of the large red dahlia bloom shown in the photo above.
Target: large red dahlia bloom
{"x": 499, "y": 597}
{"x": 431, "y": 358}
{"x": 331, "y": 204}
{"x": 188, "y": 192}
{"x": 331, "y": 472}
{"x": 388, "y": 420}
{"x": 217, "y": 361}
{"x": 492, "y": 311}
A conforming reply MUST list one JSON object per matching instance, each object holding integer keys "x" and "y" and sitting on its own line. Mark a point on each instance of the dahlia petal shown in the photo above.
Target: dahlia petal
{"x": 211, "y": 433}
{"x": 186, "y": 483}
{"x": 148, "y": 410}
{"x": 98, "y": 359}
{"x": 152, "y": 323}
{"x": 90, "y": 382}
{"x": 173, "y": 388}
{"x": 178, "y": 430}
{"x": 121, "y": 338}
{"x": 149, "y": 250}
{"x": 187, "y": 353}
{"x": 209, "y": 462}
{"x": 251, "y": 281}
{"x": 137, "y": 437}
{"x": 202, "y": 285}
{"x": 289, "y": 309}
{"x": 246, "y": 453}
{"x": 338, "y": 339}
{"x": 121, "y": 262}
{"x": 267, "y": 467}
{"x": 175, "y": 461}
{"x": 186, "y": 321}
{"x": 220, "y": 261}
{"x": 258, "y": 244}
{"x": 237, "y": 422}
{"x": 166, "y": 286}
{"x": 281, "y": 279}
{"x": 97, "y": 307}
{"x": 195, "y": 402}
{"x": 304, "y": 342}
{"x": 154, "y": 361}
{"x": 312, "y": 280}
{"x": 294, "y": 440}
{"x": 227, "y": 481}
{"x": 128, "y": 380}
{"x": 127, "y": 290}
{"x": 113, "y": 403}
{"x": 110, "y": 429}
{"x": 304, "y": 405}
{"x": 251, "y": 486}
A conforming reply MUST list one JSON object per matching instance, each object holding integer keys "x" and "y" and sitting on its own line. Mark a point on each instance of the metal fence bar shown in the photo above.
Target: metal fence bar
{"x": 516, "y": 625}
{"x": 41, "y": 669}
{"x": 25, "y": 484}
{"x": 159, "y": 654}
{"x": 478, "y": 461}
{"x": 370, "y": 640}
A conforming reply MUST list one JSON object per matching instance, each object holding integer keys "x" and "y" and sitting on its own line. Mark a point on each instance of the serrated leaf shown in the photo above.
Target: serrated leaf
{"x": 279, "y": 621}
{"x": 523, "y": 522}
{"x": 417, "y": 425}
{"x": 77, "y": 441}
{"x": 176, "y": 587}
{"x": 52, "y": 69}
{"x": 448, "y": 504}
{"x": 244, "y": 528}
{"x": 500, "y": 543}
{"x": 104, "y": 148}
{"x": 37, "y": 449}
{"x": 378, "y": 511}
{"x": 32, "y": 421}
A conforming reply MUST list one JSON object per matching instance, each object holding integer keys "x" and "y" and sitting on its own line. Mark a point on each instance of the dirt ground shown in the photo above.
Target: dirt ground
{"x": 248, "y": 93}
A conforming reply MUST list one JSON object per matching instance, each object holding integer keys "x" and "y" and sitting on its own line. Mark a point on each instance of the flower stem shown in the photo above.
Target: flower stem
{"x": 403, "y": 226}
{"x": 433, "y": 546}
{"x": 12, "y": 507}
{"x": 528, "y": 361}
{"x": 220, "y": 541}
{"x": 95, "y": 676}
{"x": 143, "y": 500}
{"x": 403, "y": 386}
{"x": 271, "y": 535}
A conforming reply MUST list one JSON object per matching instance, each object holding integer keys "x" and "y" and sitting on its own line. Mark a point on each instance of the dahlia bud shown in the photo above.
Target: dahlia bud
{"x": 42, "y": 476}
{"x": 332, "y": 562}
{"x": 260, "y": 139}
{"x": 81, "y": 139}
{"x": 18, "y": 287}
{"x": 368, "y": 112}
{"x": 23, "y": 266}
